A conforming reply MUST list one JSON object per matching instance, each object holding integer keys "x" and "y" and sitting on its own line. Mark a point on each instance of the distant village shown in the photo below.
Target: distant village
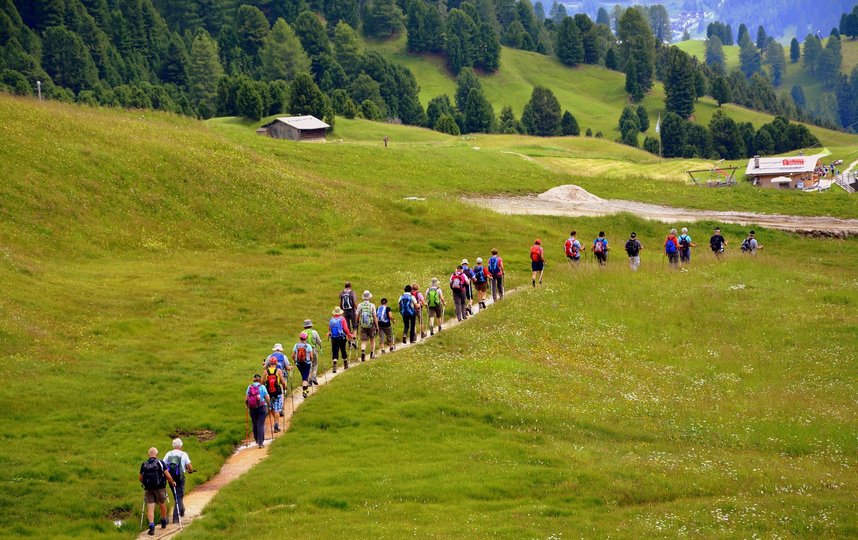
{"x": 692, "y": 21}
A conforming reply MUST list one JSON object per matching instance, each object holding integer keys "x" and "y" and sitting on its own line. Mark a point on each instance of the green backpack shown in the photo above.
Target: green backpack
{"x": 433, "y": 297}
{"x": 366, "y": 320}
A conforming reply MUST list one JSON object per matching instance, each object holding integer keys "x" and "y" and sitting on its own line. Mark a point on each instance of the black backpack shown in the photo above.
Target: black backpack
{"x": 153, "y": 474}
{"x": 175, "y": 468}
{"x": 346, "y": 300}
{"x": 632, "y": 248}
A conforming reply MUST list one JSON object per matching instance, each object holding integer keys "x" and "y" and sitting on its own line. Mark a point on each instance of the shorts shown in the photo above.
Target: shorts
{"x": 276, "y": 402}
{"x": 574, "y": 259}
{"x": 537, "y": 266}
{"x": 481, "y": 286}
{"x": 367, "y": 333}
{"x": 155, "y": 496}
{"x": 436, "y": 311}
{"x": 469, "y": 292}
{"x": 386, "y": 333}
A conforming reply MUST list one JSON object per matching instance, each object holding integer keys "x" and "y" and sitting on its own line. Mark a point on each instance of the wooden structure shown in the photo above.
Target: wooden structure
{"x": 295, "y": 128}
{"x": 714, "y": 177}
{"x": 795, "y": 172}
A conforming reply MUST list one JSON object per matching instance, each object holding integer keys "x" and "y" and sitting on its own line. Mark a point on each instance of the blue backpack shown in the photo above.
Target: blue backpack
{"x": 494, "y": 265}
{"x": 336, "y": 326}
{"x": 381, "y": 313}
{"x": 669, "y": 247}
{"x": 479, "y": 274}
{"x": 406, "y": 307}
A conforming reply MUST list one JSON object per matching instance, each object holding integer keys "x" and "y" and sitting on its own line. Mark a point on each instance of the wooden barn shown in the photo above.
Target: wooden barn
{"x": 795, "y": 172}
{"x": 295, "y": 128}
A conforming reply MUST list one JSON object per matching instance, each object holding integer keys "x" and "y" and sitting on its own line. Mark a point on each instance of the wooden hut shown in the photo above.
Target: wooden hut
{"x": 784, "y": 172}
{"x": 295, "y": 128}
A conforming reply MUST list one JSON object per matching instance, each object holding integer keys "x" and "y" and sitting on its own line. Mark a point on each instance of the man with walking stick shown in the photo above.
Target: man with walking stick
{"x": 154, "y": 477}
{"x": 178, "y": 463}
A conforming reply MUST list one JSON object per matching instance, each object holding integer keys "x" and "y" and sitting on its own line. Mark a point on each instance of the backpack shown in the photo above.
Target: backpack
{"x": 715, "y": 243}
{"x": 301, "y": 353}
{"x": 366, "y": 315}
{"x": 669, "y": 247}
{"x": 572, "y": 249}
{"x": 494, "y": 265}
{"x": 632, "y": 248}
{"x": 336, "y": 327}
{"x": 153, "y": 475}
{"x": 271, "y": 381}
{"x": 536, "y": 254}
{"x": 433, "y": 297}
{"x": 381, "y": 313}
{"x": 479, "y": 274}
{"x": 598, "y": 246}
{"x": 685, "y": 242}
{"x": 406, "y": 305}
{"x": 456, "y": 281}
{"x": 346, "y": 300}
{"x": 746, "y": 244}
{"x": 175, "y": 467}
{"x": 254, "y": 398}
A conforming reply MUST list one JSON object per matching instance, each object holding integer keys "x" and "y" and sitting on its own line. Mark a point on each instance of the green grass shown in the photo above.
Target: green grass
{"x": 149, "y": 261}
{"x": 697, "y": 47}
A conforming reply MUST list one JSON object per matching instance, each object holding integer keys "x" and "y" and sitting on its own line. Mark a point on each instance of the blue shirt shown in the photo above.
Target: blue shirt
{"x": 282, "y": 361}
{"x": 604, "y": 242}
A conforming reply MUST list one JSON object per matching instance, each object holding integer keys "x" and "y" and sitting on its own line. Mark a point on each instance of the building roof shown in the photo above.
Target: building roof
{"x": 301, "y": 122}
{"x": 783, "y": 165}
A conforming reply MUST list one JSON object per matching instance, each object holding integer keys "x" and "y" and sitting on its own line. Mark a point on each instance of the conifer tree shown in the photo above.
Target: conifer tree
{"x": 569, "y": 46}
{"x": 204, "y": 72}
{"x": 282, "y": 56}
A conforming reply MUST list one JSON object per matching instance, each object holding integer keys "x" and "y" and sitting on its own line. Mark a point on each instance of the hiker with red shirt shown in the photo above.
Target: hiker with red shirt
{"x": 671, "y": 248}
{"x": 495, "y": 268}
{"x": 573, "y": 249}
{"x": 537, "y": 261}
{"x": 458, "y": 283}
{"x": 338, "y": 331}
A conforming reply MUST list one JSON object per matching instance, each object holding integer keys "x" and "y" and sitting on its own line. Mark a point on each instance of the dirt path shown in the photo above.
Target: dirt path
{"x": 248, "y": 455}
{"x": 571, "y": 200}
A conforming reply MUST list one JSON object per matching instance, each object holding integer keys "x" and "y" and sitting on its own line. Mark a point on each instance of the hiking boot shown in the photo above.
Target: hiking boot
{"x": 345, "y": 364}
{"x": 335, "y": 366}
{"x": 432, "y": 331}
{"x": 363, "y": 356}
{"x": 382, "y": 350}
{"x": 276, "y": 427}
{"x": 470, "y": 311}
{"x": 533, "y": 281}
{"x": 439, "y": 328}
{"x": 281, "y": 414}
{"x": 163, "y": 523}
{"x": 151, "y": 529}
{"x": 392, "y": 348}
{"x": 404, "y": 340}
{"x": 422, "y": 335}
{"x": 372, "y": 355}
{"x": 305, "y": 393}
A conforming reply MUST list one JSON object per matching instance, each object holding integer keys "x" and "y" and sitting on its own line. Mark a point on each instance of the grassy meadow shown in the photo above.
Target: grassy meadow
{"x": 150, "y": 261}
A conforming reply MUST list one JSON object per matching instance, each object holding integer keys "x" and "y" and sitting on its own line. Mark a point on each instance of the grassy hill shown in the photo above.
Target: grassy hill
{"x": 149, "y": 262}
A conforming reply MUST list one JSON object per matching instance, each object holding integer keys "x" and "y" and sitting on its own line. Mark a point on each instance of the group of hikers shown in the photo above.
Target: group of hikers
{"x": 155, "y": 475}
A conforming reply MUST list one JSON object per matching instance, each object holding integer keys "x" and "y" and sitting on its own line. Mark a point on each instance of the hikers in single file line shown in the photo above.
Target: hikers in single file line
{"x": 481, "y": 280}
{"x": 302, "y": 354}
{"x": 368, "y": 323}
{"x": 572, "y": 247}
{"x": 600, "y": 249}
{"x": 717, "y": 243}
{"x": 408, "y": 310}
{"x": 315, "y": 341}
{"x": 469, "y": 290}
{"x": 750, "y": 244}
{"x": 458, "y": 282}
{"x": 633, "y": 249}
{"x": 338, "y": 331}
{"x": 256, "y": 398}
{"x": 421, "y": 304}
{"x": 496, "y": 270}
{"x": 685, "y": 245}
{"x": 154, "y": 476}
{"x": 385, "y": 326}
{"x": 537, "y": 262}
{"x": 435, "y": 304}
{"x": 348, "y": 303}
{"x": 275, "y": 384}
{"x": 179, "y": 464}
{"x": 671, "y": 249}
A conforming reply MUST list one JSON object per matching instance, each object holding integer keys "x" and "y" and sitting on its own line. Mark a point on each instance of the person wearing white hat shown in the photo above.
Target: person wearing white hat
{"x": 315, "y": 341}
{"x": 368, "y": 324}
{"x": 469, "y": 291}
{"x": 685, "y": 245}
{"x": 338, "y": 331}
{"x": 481, "y": 280}
{"x": 179, "y": 463}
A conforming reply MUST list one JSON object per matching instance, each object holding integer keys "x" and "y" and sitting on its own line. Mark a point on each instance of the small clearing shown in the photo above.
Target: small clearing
{"x": 574, "y": 201}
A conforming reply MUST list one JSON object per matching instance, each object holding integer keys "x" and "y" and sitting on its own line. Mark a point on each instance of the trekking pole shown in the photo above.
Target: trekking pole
{"x": 142, "y": 512}
{"x": 292, "y": 390}
{"x": 176, "y": 503}
{"x": 246, "y": 425}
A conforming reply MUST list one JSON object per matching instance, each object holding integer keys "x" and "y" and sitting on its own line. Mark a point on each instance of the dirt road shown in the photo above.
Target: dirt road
{"x": 571, "y": 200}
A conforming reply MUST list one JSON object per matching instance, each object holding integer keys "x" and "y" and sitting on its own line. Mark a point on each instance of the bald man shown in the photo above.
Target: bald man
{"x": 154, "y": 476}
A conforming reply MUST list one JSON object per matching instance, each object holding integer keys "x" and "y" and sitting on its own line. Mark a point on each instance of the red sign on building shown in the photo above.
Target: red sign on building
{"x": 792, "y": 162}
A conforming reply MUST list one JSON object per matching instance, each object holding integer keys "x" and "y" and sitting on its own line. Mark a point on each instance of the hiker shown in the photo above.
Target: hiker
{"x": 495, "y": 268}
{"x": 481, "y": 279}
{"x": 315, "y": 341}
{"x": 408, "y": 310}
{"x": 537, "y": 262}
{"x": 633, "y": 248}
{"x": 256, "y": 398}
{"x": 368, "y": 322}
{"x": 573, "y": 249}
{"x": 348, "y": 303}
{"x": 276, "y": 352}
{"x": 671, "y": 249}
{"x": 685, "y": 245}
{"x": 386, "y": 140}
{"x": 421, "y": 303}
{"x": 385, "y": 326}
{"x": 469, "y": 291}
{"x": 600, "y": 249}
{"x": 435, "y": 302}
{"x": 154, "y": 476}
{"x": 302, "y": 354}
{"x": 275, "y": 385}
{"x": 338, "y": 331}
{"x": 458, "y": 282}
{"x": 178, "y": 463}
{"x": 717, "y": 243}
{"x": 750, "y": 244}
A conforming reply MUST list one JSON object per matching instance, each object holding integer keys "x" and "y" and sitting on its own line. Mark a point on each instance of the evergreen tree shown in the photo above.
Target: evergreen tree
{"x": 174, "y": 70}
{"x": 370, "y": 110}
{"x": 726, "y": 141}
{"x": 651, "y": 145}
{"x": 306, "y": 98}
{"x": 721, "y": 91}
{"x": 337, "y": 11}
{"x": 672, "y": 135}
{"x": 365, "y": 88}
{"x": 67, "y": 60}
{"x": 643, "y": 117}
{"x": 507, "y": 122}
{"x": 438, "y": 107}
{"x": 382, "y": 19}
{"x": 629, "y": 126}
{"x": 602, "y": 17}
{"x": 849, "y": 24}
{"x": 461, "y": 37}
{"x": 311, "y": 32}
{"x": 812, "y": 51}
{"x": 288, "y": 10}
{"x": 465, "y": 82}
{"x": 749, "y": 56}
{"x": 539, "y": 11}
{"x": 659, "y": 21}
{"x": 558, "y": 12}
{"x": 249, "y": 101}
{"x": 762, "y": 38}
{"x": 633, "y": 88}
{"x": 743, "y": 33}
{"x": 252, "y": 29}
{"x": 777, "y": 60}
{"x": 447, "y": 124}
{"x": 611, "y": 61}
{"x": 698, "y": 141}
{"x": 715, "y": 55}
{"x": 794, "y": 51}
{"x": 488, "y": 49}
{"x": 542, "y": 114}
{"x": 637, "y": 47}
{"x": 569, "y": 125}
{"x": 282, "y": 56}
{"x": 348, "y": 47}
{"x": 204, "y": 71}
{"x": 479, "y": 116}
{"x": 797, "y": 94}
{"x": 569, "y": 46}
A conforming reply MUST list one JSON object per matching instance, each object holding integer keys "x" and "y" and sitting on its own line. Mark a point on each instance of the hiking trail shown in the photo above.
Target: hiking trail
{"x": 248, "y": 455}
{"x": 574, "y": 201}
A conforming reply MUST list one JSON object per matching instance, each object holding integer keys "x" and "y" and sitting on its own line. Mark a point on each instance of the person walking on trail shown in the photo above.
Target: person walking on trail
{"x": 537, "y": 262}
{"x": 256, "y": 398}
{"x": 573, "y": 249}
{"x": 600, "y": 249}
{"x": 274, "y": 380}
{"x": 277, "y": 352}
{"x": 481, "y": 281}
{"x": 671, "y": 249}
{"x": 155, "y": 476}
{"x": 458, "y": 282}
{"x": 435, "y": 304}
{"x": 469, "y": 290}
{"x": 338, "y": 331}
{"x": 385, "y": 326}
{"x": 633, "y": 249}
{"x": 179, "y": 464}
{"x": 421, "y": 311}
{"x": 496, "y": 270}
{"x": 750, "y": 244}
{"x": 717, "y": 243}
{"x": 408, "y": 310}
{"x": 368, "y": 323}
{"x": 685, "y": 245}
{"x": 302, "y": 354}
{"x": 348, "y": 303}
{"x": 315, "y": 341}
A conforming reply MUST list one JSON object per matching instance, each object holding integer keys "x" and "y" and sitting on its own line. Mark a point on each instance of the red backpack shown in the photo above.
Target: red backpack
{"x": 536, "y": 254}
{"x": 271, "y": 381}
{"x": 301, "y": 354}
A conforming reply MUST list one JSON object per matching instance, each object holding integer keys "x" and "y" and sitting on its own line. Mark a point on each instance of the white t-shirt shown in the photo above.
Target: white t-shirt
{"x": 180, "y": 457}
